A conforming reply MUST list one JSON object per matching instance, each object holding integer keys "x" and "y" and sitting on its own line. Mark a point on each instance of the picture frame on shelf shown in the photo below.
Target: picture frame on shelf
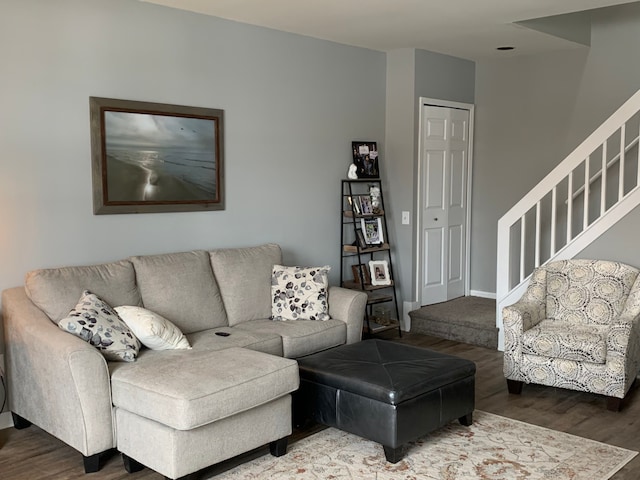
{"x": 366, "y": 207}
{"x": 361, "y": 274}
{"x": 372, "y": 231}
{"x": 379, "y": 272}
{"x": 365, "y": 158}
{"x": 354, "y": 204}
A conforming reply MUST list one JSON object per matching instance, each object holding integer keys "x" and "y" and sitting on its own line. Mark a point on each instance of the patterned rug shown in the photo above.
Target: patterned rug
{"x": 493, "y": 448}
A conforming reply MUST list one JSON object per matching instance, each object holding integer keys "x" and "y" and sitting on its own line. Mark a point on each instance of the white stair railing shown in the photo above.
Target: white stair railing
{"x": 594, "y": 187}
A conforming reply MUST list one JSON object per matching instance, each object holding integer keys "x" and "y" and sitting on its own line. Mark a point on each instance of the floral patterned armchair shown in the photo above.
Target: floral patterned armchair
{"x": 576, "y": 327}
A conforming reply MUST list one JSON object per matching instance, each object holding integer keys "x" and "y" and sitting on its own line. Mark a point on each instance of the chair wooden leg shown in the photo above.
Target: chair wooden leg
{"x": 514, "y": 386}
{"x": 614, "y": 404}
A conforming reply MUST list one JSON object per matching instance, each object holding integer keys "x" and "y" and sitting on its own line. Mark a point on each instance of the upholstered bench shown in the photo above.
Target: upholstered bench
{"x": 170, "y": 409}
{"x": 385, "y": 391}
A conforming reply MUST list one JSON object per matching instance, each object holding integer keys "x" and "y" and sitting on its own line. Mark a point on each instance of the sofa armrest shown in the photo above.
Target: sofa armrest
{"x": 56, "y": 380}
{"x": 348, "y": 305}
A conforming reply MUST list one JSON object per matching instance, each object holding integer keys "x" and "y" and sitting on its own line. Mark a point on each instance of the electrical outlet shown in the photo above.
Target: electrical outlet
{"x": 405, "y": 218}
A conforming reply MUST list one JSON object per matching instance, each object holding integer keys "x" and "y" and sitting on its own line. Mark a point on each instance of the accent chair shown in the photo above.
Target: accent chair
{"x": 576, "y": 327}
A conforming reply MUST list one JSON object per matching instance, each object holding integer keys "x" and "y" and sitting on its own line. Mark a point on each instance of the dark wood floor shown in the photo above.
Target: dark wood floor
{"x": 32, "y": 454}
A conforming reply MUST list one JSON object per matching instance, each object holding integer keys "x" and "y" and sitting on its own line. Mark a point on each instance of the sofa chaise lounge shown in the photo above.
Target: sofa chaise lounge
{"x": 175, "y": 411}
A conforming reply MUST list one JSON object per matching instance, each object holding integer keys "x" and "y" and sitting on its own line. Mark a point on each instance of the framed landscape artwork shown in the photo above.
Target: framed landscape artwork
{"x": 153, "y": 157}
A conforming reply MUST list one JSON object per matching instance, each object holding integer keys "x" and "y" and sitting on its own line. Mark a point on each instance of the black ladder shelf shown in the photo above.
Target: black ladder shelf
{"x": 366, "y": 254}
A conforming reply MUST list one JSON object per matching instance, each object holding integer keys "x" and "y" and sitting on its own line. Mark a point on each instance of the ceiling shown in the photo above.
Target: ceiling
{"x": 470, "y": 29}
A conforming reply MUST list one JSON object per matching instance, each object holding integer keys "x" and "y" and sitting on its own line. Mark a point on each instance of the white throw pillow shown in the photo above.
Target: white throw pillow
{"x": 154, "y": 331}
{"x": 299, "y": 293}
{"x": 95, "y": 322}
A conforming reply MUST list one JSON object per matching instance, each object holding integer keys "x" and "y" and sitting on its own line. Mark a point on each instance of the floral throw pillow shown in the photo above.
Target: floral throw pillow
{"x": 299, "y": 293}
{"x": 95, "y": 322}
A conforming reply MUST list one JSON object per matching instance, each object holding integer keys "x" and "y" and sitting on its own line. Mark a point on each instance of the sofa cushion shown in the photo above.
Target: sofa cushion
{"x": 188, "y": 391}
{"x": 56, "y": 290}
{"x": 153, "y": 331}
{"x": 244, "y": 277}
{"x": 299, "y": 293}
{"x": 301, "y": 337}
{"x": 216, "y": 339}
{"x": 95, "y": 322}
{"x": 181, "y": 287}
{"x": 555, "y": 339}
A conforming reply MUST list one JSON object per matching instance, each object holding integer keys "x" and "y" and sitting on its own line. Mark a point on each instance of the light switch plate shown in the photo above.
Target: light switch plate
{"x": 405, "y": 218}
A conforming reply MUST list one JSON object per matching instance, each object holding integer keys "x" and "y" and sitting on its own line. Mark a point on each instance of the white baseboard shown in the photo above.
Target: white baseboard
{"x": 5, "y": 420}
{"x": 478, "y": 293}
{"x": 405, "y": 323}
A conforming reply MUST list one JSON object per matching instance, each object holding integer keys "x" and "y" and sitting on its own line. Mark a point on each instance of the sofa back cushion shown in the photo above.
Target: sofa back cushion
{"x": 588, "y": 291}
{"x": 57, "y": 290}
{"x": 181, "y": 287}
{"x": 244, "y": 277}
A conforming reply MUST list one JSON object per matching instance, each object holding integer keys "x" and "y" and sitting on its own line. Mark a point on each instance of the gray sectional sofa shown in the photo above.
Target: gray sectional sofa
{"x": 175, "y": 411}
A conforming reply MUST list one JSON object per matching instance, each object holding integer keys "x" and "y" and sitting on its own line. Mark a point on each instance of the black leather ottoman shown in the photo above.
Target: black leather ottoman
{"x": 385, "y": 391}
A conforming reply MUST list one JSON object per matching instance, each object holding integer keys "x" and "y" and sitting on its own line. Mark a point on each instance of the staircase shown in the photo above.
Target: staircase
{"x": 591, "y": 190}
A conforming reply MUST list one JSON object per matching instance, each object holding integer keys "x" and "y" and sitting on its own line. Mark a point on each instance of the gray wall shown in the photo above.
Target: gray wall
{"x": 532, "y": 111}
{"x": 412, "y": 74}
{"x": 292, "y": 104}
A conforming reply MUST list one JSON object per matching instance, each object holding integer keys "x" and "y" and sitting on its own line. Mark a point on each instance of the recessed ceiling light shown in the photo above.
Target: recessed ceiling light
{"x": 505, "y": 48}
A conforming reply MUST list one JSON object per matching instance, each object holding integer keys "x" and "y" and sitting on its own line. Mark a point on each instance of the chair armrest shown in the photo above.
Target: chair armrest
{"x": 348, "y": 305}
{"x": 56, "y": 380}
{"x": 522, "y": 315}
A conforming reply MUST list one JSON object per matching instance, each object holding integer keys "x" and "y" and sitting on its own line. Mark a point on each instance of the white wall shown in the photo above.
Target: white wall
{"x": 532, "y": 111}
{"x": 292, "y": 107}
{"x": 412, "y": 74}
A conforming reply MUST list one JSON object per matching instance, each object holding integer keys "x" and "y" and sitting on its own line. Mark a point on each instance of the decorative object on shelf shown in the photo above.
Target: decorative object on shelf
{"x": 379, "y": 270}
{"x": 366, "y": 205}
{"x": 361, "y": 242}
{"x": 372, "y": 230}
{"x": 365, "y": 158}
{"x": 361, "y": 274}
{"x": 374, "y": 192}
{"x": 352, "y": 172}
{"x": 153, "y": 157}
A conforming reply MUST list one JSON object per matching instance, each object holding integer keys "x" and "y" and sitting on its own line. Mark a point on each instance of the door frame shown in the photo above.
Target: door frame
{"x": 418, "y": 261}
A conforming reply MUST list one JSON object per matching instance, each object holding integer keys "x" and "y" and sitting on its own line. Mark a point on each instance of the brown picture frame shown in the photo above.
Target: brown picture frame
{"x": 361, "y": 274}
{"x": 154, "y": 157}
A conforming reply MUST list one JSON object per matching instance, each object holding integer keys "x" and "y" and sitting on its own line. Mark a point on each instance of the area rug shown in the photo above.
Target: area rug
{"x": 493, "y": 448}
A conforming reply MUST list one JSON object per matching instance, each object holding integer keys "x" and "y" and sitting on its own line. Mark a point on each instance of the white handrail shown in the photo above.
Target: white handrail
{"x": 586, "y": 148}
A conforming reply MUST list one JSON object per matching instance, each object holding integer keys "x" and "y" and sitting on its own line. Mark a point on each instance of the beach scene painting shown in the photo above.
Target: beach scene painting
{"x": 156, "y": 157}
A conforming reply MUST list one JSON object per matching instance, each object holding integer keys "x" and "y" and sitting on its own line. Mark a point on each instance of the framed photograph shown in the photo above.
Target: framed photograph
{"x": 372, "y": 230}
{"x": 362, "y": 243}
{"x": 379, "y": 270}
{"x": 354, "y": 204}
{"x": 365, "y": 158}
{"x": 361, "y": 274}
{"x": 153, "y": 157}
{"x": 366, "y": 207}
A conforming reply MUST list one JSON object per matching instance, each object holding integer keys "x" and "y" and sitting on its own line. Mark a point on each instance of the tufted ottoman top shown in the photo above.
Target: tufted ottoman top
{"x": 387, "y": 371}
